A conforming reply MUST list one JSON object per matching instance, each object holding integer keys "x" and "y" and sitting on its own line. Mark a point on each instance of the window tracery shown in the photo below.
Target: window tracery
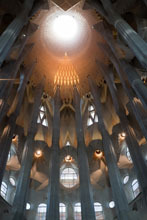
{"x": 62, "y": 211}
{"x": 69, "y": 177}
{"x": 41, "y": 211}
{"x": 77, "y": 211}
{"x": 128, "y": 154}
{"x": 135, "y": 187}
{"x": 4, "y": 189}
{"x": 92, "y": 116}
{"x": 98, "y": 211}
{"x": 42, "y": 117}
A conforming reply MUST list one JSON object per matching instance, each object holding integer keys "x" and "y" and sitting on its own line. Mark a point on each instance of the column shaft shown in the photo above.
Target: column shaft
{"x": 135, "y": 82}
{"x": 133, "y": 40}
{"x": 86, "y": 194}
{"x": 8, "y": 71}
{"x": 129, "y": 71}
{"x": 11, "y": 33}
{"x": 19, "y": 203}
{"x": 137, "y": 157}
{"x": 119, "y": 196}
{"x": 53, "y": 188}
{"x": 116, "y": 64}
{"x": 5, "y": 93}
{"x": 8, "y": 132}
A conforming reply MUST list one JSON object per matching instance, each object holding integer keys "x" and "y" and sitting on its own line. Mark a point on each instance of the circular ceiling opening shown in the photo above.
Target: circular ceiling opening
{"x": 65, "y": 32}
{"x": 65, "y": 28}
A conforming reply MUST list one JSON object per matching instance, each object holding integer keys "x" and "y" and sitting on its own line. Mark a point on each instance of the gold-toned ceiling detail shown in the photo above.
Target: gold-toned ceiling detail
{"x": 66, "y": 77}
{"x": 65, "y": 4}
{"x": 82, "y": 54}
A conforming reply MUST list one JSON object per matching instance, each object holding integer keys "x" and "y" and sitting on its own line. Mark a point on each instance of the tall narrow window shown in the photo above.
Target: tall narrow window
{"x": 128, "y": 154}
{"x": 42, "y": 116}
{"x": 98, "y": 211}
{"x": 4, "y": 188}
{"x": 41, "y": 212}
{"x": 92, "y": 117}
{"x": 77, "y": 211}
{"x": 62, "y": 211}
{"x": 68, "y": 143}
{"x": 135, "y": 187}
{"x": 9, "y": 156}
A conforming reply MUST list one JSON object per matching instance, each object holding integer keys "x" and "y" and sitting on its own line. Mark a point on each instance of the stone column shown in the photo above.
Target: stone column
{"x": 8, "y": 132}
{"x": 86, "y": 195}
{"x": 11, "y": 33}
{"x": 122, "y": 208}
{"x": 19, "y": 204}
{"x": 133, "y": 40}
{"x": 9, "y": 70}
{"x": 53, "y": 188}
{"x": 42, "y": 4}
{"x": 129, "y": 71}
{"x": 136, "y": 155}
{"x": 111, "y": 55}
{"x": 135, "y": 82}
{"x": 70, "y": 211}
{"x": 5, "y": 93}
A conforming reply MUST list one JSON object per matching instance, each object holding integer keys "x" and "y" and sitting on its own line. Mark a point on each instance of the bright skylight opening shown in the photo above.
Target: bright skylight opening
{"x": 65, "y": 28}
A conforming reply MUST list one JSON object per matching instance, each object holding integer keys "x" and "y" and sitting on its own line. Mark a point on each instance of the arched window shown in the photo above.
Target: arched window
{"x": 126, "y": 179}
{"x": 4, "y": 188}
{"x": 69, "y": 177}
{"x": 9, "y": 156}
{"x": 92, "y": 117}
{"x": 77, "y": 211}
{"x": 41, "y": 212}
{"x": 128, "y": 154}
{"x": 28, "y": 206}
{"x": 62, "y": 211}
{"x": 12, "y": 181}
{"x": 135, "y": 187}
{"x": 68, "y": 143}
{"x": 42, "y": 117}
{"x": 98, "y": 211}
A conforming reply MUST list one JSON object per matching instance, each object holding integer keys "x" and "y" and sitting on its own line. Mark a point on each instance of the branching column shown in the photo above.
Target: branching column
{"x": 111, "y": 56}
{"x": 11, "y": 33}
{"x": 133, "y": 40}
{"x": 135, "y": 81}
{"x": 128, "y": 70}
{"x": 86, "y": 195}
{"x": 53, "y": 191}
{"x": 8, "y": 132}
{"x": 19, "y": 205}
{"x": 10, "y": 70}
{"x": 136, "y": 155}
{"x": 122, "y": 208}
{"x": 6, "y": 91}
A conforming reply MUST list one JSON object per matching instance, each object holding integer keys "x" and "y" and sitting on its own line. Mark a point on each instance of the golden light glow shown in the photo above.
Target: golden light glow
{"x": 98, "y": 154}
{"x": 122, "y": 136}
{"x": 68, "y": 159}
{"x": 66, "y": 76}
{"x": 65, "y": 28}
{"x": 15, "y": 138}
{"x": 38, "y": 153}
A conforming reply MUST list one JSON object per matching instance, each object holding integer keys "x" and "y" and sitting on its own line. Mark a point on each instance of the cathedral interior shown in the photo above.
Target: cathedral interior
{"x": 73, "y": 109}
